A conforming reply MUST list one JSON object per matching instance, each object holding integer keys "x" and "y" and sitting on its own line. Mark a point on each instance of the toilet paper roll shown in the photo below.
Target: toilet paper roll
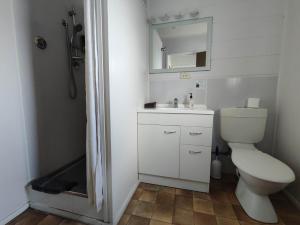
{"x": 253, "y": 102}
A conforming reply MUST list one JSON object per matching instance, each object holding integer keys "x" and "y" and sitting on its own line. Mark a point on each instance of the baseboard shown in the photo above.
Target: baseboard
{"x": 14, "y": 214}
{"x": 66, "y": 214}
{"x": 292, "y": 199}
{"x": 125, "y": 204}
{"x": 173, "y": 182}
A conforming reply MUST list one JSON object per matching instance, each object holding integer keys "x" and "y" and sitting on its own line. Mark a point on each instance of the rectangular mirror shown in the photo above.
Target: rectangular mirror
{"x": 181, "y": 46}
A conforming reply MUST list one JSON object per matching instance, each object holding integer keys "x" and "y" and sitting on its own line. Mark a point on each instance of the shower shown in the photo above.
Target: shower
{"x": 75, "y": 50}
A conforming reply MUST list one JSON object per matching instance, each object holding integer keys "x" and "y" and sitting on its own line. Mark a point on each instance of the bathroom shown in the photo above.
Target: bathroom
{"x": 63, "y": 102}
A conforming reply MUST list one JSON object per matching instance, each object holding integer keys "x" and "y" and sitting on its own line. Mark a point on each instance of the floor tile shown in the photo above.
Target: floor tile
{"x": 183, "y": 192}
{"x": 204, "y": 219}
{"x": 184, "y": 202}
{"x": 51, "y": 220}
{"x": 148, "y": 196}
{"x": 232, "y": 198}
{"x": 165, "y": 198}
{"x": 169, "y": 190}
{"x": 242, "y": 216}
{"x": 155, "y": 222}
{"x": 224, "y": 210}
{"x": 183, "y": 217}
{"x": 137, "y": 194}
{"x": 151, "y": 187}
{"x": 227, "y": 221}
{"x": 291, "y": 219}
{"x": 163, "y": 213}
{"x": 124, "y": 219}
{"x": 203, "y": 206}
{"x": 201, "y": 195}
{"x": 219, "y": 196}
{"x": 131, "y": 206}
{"x": 136, "y": 220}
{"x": 144, "y": 209}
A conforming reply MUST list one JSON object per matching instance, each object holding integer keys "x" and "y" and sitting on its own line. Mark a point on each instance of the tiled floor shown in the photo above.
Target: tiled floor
{"x": 33, "y": 217}
{"x": 157, "y": 205}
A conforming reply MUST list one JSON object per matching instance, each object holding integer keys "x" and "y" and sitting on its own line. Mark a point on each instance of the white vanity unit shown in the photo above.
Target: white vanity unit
{"x": 174, "y": 147}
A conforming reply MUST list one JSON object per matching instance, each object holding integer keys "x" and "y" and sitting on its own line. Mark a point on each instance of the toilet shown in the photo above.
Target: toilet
{"x": 260, "y": 173}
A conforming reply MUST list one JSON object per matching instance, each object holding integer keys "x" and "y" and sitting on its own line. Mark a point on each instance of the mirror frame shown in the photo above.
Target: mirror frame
{"x": 208, "y": 20}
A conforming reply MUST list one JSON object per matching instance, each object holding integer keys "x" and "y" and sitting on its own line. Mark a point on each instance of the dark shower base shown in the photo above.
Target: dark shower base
{"x": 71, "y": 179}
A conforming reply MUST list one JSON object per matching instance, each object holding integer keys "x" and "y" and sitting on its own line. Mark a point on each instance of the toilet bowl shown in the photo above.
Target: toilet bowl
{"x": 260, "y": 173}
{"x": 260, "y": 176}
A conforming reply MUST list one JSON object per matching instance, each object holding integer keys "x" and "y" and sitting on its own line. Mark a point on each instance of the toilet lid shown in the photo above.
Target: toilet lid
{"x": 261, "y": 165}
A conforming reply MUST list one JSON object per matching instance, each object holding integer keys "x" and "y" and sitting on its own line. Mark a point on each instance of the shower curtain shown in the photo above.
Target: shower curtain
{"x": 95, "y": 104}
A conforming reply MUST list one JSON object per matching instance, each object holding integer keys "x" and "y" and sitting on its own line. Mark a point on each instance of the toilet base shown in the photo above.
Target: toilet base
{"x": 258, "y": 207}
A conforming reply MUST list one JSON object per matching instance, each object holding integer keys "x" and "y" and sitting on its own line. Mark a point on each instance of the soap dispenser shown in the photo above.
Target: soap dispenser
{"x": 191, "y": 101}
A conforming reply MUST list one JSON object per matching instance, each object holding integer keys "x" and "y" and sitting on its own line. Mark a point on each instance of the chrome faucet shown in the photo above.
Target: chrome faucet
{"x": 175, "y": 103}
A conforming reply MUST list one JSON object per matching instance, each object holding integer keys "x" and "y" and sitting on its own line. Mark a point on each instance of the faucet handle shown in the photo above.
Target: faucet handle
{"x": 176, "y": 102}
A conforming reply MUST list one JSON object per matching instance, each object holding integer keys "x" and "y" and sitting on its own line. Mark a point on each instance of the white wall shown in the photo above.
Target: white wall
{"x": 288, "y": 135}
{"x": 55, "y": 124}
{"x": 128, "y": 68}
{"x": 13, "y": 171}
{"x": 245, "y": 56}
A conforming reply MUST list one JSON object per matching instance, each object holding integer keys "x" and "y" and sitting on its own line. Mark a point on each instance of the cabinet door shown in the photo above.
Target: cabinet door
{"x": 195, "y": 163}
{"x": 159, "y": 150}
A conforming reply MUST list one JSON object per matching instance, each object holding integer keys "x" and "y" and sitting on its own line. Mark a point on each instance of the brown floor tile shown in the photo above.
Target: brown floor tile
{"x": 144, "y": 209}
{"x": 137, "y": 194}
{"x": 203, "y": 206}
{"x": 51, "y": 220}
{"x": 226, "y": 221}
{"x": 285, "y": 208}
{"x": 150, "y": 187}
{"x": 163, "y": 213}
{"x": 201, "y": 195}
{"x": 148, "y": 196}
{"x": 219, "y": 196}
{"x": 204, "y": 219}
{"x": 131, "y": 206}
{"x": 124, "y": 219}
{"x": 184, "y": 202}
{"x": 155, "y": 222}
{"x": 169, "y": 190}
{"x": 242, "y": 216}
{"x": 232, "y": 198}
{"x": 183, "y": 192}
{"x": 165, "y": 198}
{"x": 291, "y": 219}
{"x": 70, "y": 222}
{"x": 183, "y": 217}
{"x": 224, "y": 210}
{"x": 136, "y": 220}
{"x": 32, "y": 219}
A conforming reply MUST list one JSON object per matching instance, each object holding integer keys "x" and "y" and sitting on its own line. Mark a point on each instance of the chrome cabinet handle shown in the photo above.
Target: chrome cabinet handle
{"x": 194, "y": 152}
{"x": 169, "y": 132}
{"x": 195, "y": 133}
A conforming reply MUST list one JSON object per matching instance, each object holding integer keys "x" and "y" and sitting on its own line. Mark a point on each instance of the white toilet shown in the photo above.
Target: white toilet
{"x": 260, "y": 173}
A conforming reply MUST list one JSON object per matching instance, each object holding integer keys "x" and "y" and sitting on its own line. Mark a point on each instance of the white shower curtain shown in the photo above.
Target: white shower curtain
{"x": 95, "y": 105}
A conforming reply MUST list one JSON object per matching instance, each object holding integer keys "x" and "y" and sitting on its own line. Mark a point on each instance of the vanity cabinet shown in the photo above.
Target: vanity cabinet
{"x": 174, "y": 149}
{"x": 159, "y": 150}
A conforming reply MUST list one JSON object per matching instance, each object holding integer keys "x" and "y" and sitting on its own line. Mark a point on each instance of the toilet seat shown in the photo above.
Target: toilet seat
{"x": 260, "y": 165}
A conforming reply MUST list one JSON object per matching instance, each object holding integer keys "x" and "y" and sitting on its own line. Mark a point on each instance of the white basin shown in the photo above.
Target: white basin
{"x": 165, "y": 108}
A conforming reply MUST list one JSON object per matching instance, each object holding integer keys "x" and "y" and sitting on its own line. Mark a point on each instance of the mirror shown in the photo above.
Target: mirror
{"x": 181, "y": 46}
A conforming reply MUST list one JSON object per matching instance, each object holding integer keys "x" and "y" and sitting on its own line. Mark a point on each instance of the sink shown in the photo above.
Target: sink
{"x": 166, "y": 108}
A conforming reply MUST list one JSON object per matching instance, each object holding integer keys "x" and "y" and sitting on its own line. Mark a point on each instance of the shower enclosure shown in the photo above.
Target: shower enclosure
{"x": 57, "y": 158}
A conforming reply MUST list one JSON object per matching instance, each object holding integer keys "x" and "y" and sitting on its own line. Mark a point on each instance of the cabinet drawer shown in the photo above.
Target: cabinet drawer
{"x": 196, "y": 136}
{"x": 195, "y": 163}
{"x": 158, "y": 149}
